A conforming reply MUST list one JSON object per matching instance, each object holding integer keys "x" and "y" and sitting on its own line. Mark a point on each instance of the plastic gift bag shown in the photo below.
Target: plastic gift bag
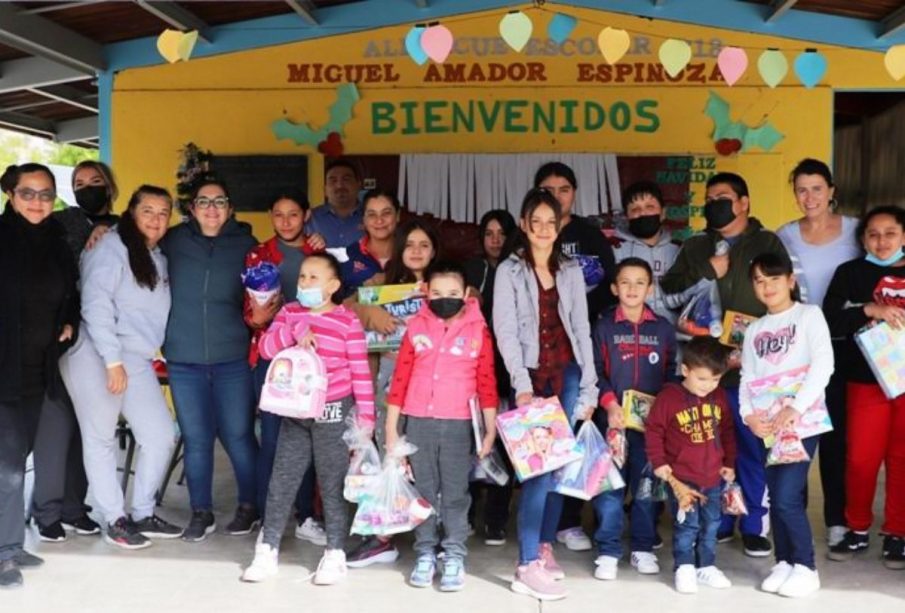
{"x": 588, "y": 476}
{"x": 651, "y": 487}
{"x": 262, "y": 281}
{"x": 618, "y": 444}
{"x": 391, "y": 505}
{"x": 365, "y": 464}
{"x": 295, "y": 385}
{"x": 787, "y": 449}
{"x": 732, "y": 500}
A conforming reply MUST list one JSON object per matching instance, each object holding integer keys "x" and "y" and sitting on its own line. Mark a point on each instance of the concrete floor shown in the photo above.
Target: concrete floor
{"x": 86, "y": 574}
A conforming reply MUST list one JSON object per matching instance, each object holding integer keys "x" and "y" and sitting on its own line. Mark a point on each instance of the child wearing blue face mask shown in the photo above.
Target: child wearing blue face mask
{"x": 335, "y": 333}
{"x": 863, "y": 290}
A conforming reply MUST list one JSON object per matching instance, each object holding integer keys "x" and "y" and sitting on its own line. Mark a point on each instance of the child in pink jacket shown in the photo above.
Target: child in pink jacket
{"x": 445, "y": 361}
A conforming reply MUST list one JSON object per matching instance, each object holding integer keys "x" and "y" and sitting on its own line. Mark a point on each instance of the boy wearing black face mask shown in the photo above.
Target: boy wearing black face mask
{"x": 727, "y": 211}
{"x": 646, "y": 238}
{"x": 445, "y": 362}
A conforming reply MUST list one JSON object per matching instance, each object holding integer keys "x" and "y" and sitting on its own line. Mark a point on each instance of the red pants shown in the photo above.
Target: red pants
{"x": 876, "y": 434}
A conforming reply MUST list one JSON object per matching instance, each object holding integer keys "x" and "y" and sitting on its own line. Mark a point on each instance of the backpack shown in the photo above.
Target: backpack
{"x": 295, "y": 385}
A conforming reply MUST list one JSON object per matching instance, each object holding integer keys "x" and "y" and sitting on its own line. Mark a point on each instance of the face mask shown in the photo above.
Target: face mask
{"x": 870, "y": 257}
{"x": 645, "y": 226}
{"x": 311, "y": 297}
{"x": 92, "y": 198}
{"x": 444, "y": 308}
{"x": 718, "y": 213}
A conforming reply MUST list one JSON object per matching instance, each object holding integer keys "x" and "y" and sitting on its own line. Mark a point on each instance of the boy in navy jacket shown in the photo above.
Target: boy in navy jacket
{"x": 634, "y": 349}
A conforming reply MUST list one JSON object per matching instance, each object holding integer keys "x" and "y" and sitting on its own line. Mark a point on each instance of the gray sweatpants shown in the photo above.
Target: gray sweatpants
{"x": 441, "y": 467}
{"x": 298, "y": 442}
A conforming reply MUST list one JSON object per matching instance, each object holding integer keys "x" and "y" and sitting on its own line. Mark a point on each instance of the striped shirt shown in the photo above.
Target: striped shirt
{"x": 340, "y": 344}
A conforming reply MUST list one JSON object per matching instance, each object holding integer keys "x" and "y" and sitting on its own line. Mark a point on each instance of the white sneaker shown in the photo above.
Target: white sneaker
{"x": 686, "y": 579}
{"x": 801, "y": 582}
{"x": 607, "y": 568}
{"x": 711, "y": 576}
{"x": 574, "y": 539}
{"x": 263, "y": 566}
{"x": 778, "y": 575}
{"x": 835, "y": 534}
{"x": 645, "y": 562}
{"x": 312, "y": 531}
{"x": 332, "y": 568}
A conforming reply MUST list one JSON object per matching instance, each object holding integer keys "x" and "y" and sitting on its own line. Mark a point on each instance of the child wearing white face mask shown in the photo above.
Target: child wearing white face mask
{"x": 335, "y": 333}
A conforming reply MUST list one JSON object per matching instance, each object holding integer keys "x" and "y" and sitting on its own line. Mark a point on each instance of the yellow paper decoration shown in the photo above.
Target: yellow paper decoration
{"x": 895, "y": 61}
{"x": 674, "y": 54}
{"x": 174, "y": 45}
{"x": 613, "y": 43}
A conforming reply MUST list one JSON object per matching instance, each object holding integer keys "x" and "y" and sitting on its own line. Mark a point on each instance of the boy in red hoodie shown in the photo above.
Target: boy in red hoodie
{"x": 690, "y": 437}
{"x": 445, "y": 361}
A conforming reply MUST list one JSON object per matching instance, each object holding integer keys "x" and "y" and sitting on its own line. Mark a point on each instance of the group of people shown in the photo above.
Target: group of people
{"x": 551, "y": 308}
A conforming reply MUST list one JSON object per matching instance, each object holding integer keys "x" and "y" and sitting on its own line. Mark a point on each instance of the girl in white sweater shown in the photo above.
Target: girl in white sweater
{"x": 790, "y": 336}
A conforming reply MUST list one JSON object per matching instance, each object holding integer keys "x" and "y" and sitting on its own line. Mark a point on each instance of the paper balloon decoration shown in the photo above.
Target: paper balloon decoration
{"x": 437, "y": 42}
{"x": 733, "y": 63}
{"x": 516, "y": 28}
{"x": 810, "y": 67}
{"x": 674, "y": 54}
{"x": 772, "y": 66}
{"x": 174, "y": 45}
{"x": 895, "y": 61}
{"x": 413, "y": 45}
{"x": 560, "y": 27}
{"x": 613, "y": 43}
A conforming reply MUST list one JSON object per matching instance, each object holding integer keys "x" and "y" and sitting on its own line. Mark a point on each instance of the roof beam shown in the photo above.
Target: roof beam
{"x": 778, "y": 8}
{"x": 44, "y": 38}
{"x": 176, "y": 16}
{"x": 62, "y": 6}
{"x": 892, "y": 23}
{"x": 35, "y": 72}
{"x": 61, "y": 97}
{"x": 305, "y": 9}
{"x": 80, "y": 129}
{"x": 22, "y": 122}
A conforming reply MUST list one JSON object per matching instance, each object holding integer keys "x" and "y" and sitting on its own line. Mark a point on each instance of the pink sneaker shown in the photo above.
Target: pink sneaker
{"x": 533, "y": 580}
{"x": 546, "y": 557}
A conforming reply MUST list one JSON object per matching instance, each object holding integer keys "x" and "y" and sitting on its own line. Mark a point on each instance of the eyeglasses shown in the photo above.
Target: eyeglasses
{"x": 221, "y": 202}
{"x": 28, "y": 195}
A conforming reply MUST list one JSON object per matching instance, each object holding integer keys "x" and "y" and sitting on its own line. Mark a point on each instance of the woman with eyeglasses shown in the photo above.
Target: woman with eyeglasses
{"x": 39, "y": 314}
{"x": 206, "y": 348}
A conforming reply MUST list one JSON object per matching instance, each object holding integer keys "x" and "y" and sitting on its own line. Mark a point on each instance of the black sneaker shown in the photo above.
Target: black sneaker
{"x": 54, "y": 533}
{"x": 122, "y": 533}
{"x": 200, "y": 526}
{"x": 84, "y": 526}
{"x": 894, "y": 552}
{"x": 725, "y": 537}
{"x": 244, "y": 521}
{"x": 10, "y": 575}
{"x": 494, "y": 536}
{"x": 372, "y": 550}
{"x": 756, "y": 546}
{"x": 851, "y": 544}
{"x": 27, "y": 560}
{"x": 154, "y": 527}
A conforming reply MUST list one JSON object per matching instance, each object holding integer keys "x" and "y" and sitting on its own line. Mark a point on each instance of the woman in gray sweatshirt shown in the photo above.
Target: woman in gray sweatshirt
{"x": 125, "y": 305}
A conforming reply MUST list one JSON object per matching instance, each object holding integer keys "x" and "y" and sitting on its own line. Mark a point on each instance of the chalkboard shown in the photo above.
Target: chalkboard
{"x": 254, "y": 180}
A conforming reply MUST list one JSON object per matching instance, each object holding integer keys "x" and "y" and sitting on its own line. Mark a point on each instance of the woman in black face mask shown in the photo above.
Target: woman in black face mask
{"x": 95, "y": 191}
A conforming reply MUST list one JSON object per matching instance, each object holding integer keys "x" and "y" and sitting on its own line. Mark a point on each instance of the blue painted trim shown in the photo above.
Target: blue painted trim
{"x": 104, "y": 115}
{"x": 802, "y": 26}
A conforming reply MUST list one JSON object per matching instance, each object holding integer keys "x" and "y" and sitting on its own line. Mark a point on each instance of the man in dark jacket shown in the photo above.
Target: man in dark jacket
{"x": 727, "y": 210}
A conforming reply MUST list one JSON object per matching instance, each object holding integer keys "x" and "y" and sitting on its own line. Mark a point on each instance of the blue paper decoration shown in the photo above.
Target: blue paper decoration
{"x": 560, "y": 27}
{"x": 810, "y": 67}
{"x": 413, "y": 45}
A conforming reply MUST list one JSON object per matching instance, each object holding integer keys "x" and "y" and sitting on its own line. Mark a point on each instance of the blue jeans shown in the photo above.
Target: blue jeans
{"x": 608, "y": 506}
{"x": 788, "y": 513}
{"x": 215, "y": 401}
{"x": 751, "y": 474}
{"x": 694, "y": 540}
{"x": 539, "y": 506}
{"x": 270, "y": 431}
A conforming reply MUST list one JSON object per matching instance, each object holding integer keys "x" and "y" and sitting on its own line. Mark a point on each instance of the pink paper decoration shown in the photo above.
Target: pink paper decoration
{"x": 437, "y": 42}
{"x": 733, "y": 63}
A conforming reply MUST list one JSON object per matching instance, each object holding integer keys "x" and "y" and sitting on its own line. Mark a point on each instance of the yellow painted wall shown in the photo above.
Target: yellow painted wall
{"x": 228, "y": 103}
